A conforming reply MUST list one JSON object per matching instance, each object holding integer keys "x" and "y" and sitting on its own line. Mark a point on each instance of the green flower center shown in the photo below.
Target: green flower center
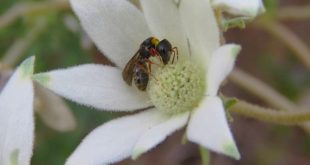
{"x": 177, "y": 88}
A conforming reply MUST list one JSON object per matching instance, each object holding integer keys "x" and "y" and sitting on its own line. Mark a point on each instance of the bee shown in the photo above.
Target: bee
{"x": 138, "y": 67}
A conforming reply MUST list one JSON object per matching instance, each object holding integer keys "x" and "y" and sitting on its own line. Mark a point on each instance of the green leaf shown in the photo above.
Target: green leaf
{"x": 229, "y": 102}
{"x": 238, "y": 22}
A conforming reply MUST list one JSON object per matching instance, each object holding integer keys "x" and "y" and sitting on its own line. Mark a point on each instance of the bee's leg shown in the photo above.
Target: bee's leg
{"x": 150, "y": 67}
{"x": 151, "y": 62}
{"x": 147, "y": 70}
{"x": 175, "y": 53}
{"x": 154, "y": 52}
{"x": 153, "y": 77}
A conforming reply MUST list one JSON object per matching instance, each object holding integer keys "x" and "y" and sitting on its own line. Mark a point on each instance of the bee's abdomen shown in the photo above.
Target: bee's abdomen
{"x": 141, "y": 78}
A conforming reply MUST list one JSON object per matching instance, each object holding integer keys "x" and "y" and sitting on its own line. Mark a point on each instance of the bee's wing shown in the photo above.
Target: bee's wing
{"x": 128, "y": 70}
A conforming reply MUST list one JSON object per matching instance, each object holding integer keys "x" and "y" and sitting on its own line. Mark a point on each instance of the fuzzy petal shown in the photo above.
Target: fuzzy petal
{"x": 158, "y": 134}
{"x": 164, "y": 21}
{"x": 199, "y": 22}
{"x": 221, "y": 64}
{"x": 117, "y": 27}
{"x": 209, "y": 128}
{"x": 53, "y": 111}
{"x": 249, "y": 8}
{"x": 16, "y": 115}
{"x": 98, "y": 86}
{"x": 114, "y": 140}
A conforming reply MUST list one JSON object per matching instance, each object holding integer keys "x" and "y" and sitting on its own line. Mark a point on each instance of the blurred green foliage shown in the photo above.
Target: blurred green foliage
{"x": 53, "y": 148}
{"x": 271, "y": 6}
{"x": 290, "y": 79}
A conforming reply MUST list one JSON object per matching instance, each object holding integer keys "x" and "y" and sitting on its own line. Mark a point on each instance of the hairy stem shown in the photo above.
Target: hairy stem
{"x": 260, "y": 89}
{"x": 26, "y": 8}
{"x": 205, "y": 156}
{"x": 12, "y": 56}
{"x": 270, "y": 115}
{"x": 290, "y": 39}
{"x": 294, "y": 13}
{"x": 265, "y": 92}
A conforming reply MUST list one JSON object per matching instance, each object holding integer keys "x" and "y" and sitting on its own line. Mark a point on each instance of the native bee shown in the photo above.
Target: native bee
{"x": 138, "y": 67}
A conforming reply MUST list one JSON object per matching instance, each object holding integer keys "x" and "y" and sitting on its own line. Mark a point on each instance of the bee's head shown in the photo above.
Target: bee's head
{"x": 164, "y": 48}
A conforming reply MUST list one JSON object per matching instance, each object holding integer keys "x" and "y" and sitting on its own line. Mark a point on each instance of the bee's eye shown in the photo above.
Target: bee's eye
{"x": 164, "y": 46}
{"x": 163, "y": 50}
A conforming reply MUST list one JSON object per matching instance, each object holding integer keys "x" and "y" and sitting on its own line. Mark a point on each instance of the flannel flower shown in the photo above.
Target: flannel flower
{"x": 250, "y": 8}
{"x": 16, "y": 116}
{"x": 179, "y": 94}
{"x": 17, "y": 108}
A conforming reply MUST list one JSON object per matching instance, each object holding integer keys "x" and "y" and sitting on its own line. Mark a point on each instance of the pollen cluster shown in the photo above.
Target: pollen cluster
{"x": 177, "y": 88}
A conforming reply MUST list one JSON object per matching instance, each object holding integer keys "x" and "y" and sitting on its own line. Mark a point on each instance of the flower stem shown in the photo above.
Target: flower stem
{"x": 12, "y": 56}
{"x": 265, "y": 92}
{"x": 260, "y": 89}
{"x": 25, "y": 8}
{"x": 294, "y": 13}
{"x": 270, "y": 115}
{"x": 205, "y": 156}
{"x": 290, "y": 39}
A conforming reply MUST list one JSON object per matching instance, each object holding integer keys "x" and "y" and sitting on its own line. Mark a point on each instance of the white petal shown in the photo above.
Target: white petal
{"x": 202, "y": 30}
{"x": 117, "y": 27}
{"x": 208, "y": 127}
{"x": 250, "y": 8}
{"x": 16, "y": 115}
{"x": 53, "y": 111}
{"x": 157, "y": 134}
{"x": 98, "y": 86}
{"x": 221, "y": 64}
{"x": 114, "y": 140}
{"x": 164, "y": 21}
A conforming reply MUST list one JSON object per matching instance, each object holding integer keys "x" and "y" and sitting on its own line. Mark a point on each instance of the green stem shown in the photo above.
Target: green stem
{"x": 270, "y": 115}
{"x": 25, "y": 8}
{"x": 205, "y": 156}
{"x": 265, "y": 92}
{"x": 262, "y": 90}
{"x": 294, "y": 13}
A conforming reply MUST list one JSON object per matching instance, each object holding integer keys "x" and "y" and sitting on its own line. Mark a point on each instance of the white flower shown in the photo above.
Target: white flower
{"x": 50, "y": 108}
{"x": 248, "y": 8}
{"x": 117, "y": 27}
{"x": 16, "y": 115}
{"x": 17, "y": 111}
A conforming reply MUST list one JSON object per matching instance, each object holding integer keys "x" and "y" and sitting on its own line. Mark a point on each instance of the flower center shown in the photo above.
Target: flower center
{"x": 177, "y": 88}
